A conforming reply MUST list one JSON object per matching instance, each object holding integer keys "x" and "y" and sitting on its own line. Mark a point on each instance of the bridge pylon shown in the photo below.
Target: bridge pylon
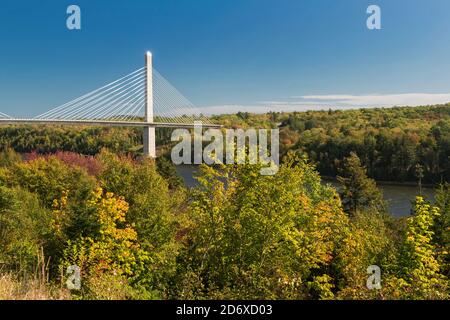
{"x": 149, "y": 131}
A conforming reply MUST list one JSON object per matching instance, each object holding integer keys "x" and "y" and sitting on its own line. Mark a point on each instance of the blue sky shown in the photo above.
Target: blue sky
{"x": 229, "y": 55}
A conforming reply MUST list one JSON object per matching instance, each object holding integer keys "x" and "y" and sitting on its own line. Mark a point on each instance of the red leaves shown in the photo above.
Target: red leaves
{"x": 90, "y": 163}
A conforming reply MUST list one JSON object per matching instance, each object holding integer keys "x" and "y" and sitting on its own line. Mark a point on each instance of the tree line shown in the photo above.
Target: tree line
{"x": 403, "y": 144}
{"x": 395, "y": 144}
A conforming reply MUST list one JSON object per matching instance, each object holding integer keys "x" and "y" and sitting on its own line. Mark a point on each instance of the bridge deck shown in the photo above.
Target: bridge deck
{"x": 107, "y": 123}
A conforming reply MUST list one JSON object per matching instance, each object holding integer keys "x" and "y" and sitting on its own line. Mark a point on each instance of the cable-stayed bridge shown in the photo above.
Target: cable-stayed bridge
{"x": 142, "y": 98}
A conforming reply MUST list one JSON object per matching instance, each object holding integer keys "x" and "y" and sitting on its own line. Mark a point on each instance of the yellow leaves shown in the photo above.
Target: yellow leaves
{"x": 111, "y": 210}
{"x": 422, "y": 263}
{"x": 59, "y": 214}
{"x": 323, "y": 285}
{"x": 303, "y": 201}
{"x": 62, "y": 203}
{"x": 115, "y": 248}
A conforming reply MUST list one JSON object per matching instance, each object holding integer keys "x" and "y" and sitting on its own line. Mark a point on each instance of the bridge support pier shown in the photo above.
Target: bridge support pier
{"x": 149, "y": 142}
{"x": 149, "y": 131}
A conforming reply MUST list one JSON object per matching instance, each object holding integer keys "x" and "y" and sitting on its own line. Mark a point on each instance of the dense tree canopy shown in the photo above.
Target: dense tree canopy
{"x": 85, "y": 197}
{"x": 389, "y": 141}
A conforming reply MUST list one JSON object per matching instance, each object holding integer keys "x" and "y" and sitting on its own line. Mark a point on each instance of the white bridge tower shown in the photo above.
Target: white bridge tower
{"x": 149, "y": 131}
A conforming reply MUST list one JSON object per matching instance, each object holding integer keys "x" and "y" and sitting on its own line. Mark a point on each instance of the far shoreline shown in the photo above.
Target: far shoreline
{"x": 390, "y": 183}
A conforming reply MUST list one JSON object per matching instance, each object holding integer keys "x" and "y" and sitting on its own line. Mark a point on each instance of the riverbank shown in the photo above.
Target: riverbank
{"x": 391, "y": 183}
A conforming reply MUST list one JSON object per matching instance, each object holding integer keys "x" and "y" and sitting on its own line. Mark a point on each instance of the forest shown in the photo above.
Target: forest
{"x": 395, "y": 144}
{"x": 78, "y": 196}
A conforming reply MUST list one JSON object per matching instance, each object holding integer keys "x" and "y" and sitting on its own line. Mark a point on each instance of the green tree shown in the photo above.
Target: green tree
{"x": 114, "y": 253}
{"x": 156, "y": 211}
{"x": 419, "y": 174}
{"x": 49, "y": 178}
{"x": 169, "y": 172}
{"x": 8, "y": 157}
{"x": 358, "y": 191}
{"x": 24, "y": 225}
{"x": 420, "y": 260}
{"x": 255, "y": 236}
{"x": 442, "y": 225}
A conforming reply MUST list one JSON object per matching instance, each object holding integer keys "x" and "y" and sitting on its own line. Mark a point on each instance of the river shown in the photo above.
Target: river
{"x": 398, "y": 197}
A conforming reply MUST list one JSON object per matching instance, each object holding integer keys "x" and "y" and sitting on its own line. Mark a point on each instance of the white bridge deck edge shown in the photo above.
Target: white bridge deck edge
{"x": 108, "y": 123}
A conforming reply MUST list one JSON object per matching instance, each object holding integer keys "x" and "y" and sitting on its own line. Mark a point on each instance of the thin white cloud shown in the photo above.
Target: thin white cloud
{"x": 338, "y": 101}
{"x": 376, "y": 100}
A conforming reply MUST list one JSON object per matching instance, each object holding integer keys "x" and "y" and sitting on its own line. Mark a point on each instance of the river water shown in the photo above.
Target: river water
{"x": 399, "y": 198}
